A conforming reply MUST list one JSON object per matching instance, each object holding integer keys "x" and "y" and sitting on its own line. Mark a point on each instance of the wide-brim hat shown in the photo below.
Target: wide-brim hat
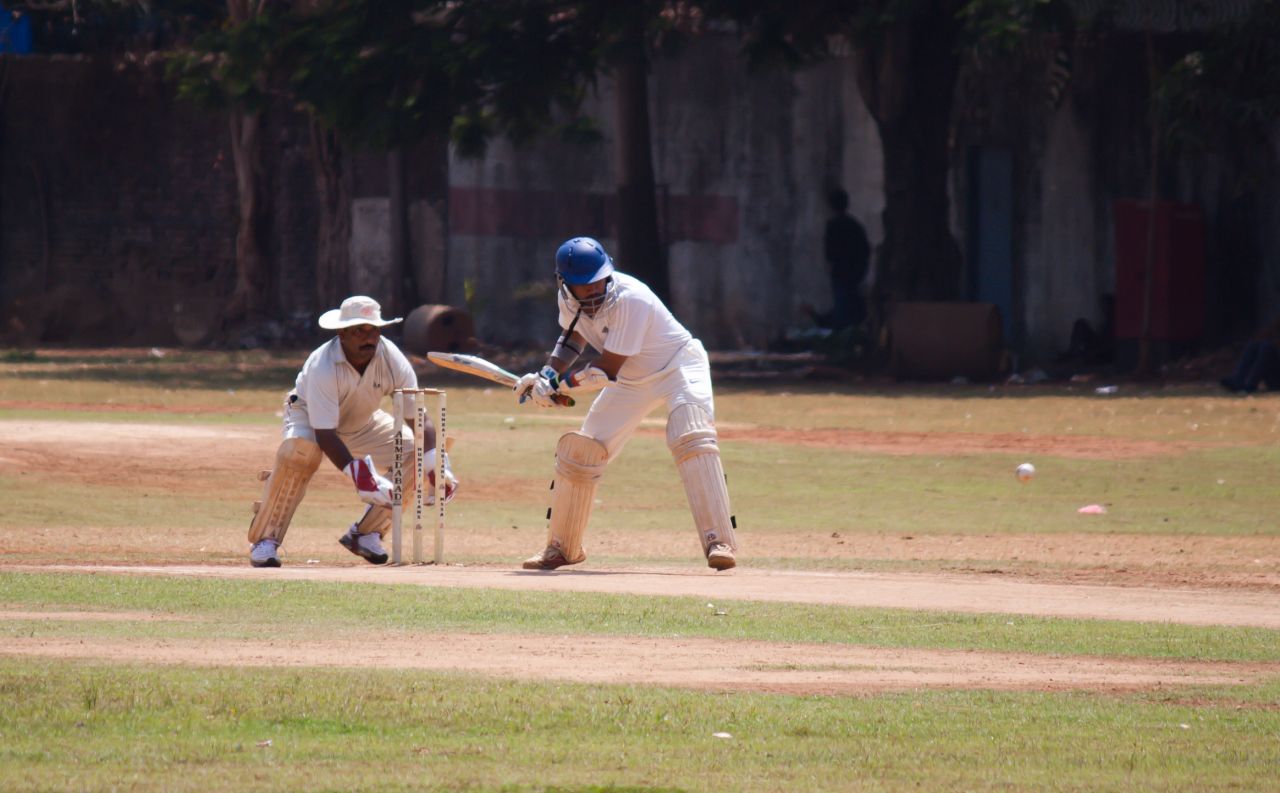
{"x": 357, "y": 310}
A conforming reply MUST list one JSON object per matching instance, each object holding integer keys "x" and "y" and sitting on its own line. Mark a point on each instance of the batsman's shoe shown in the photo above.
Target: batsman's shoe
{"x": 720, "y": 556}
{"x": 264, "y": 554}
{"x": 549, "y": 558}
{"x": 366, "y": 546}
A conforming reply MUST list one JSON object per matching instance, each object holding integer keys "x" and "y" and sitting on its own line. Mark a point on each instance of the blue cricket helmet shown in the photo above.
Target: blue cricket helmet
{"x": 583, "y": 260}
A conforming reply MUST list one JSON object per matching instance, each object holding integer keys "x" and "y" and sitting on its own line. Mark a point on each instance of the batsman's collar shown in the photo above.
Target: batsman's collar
{"x": 357, "y": 310}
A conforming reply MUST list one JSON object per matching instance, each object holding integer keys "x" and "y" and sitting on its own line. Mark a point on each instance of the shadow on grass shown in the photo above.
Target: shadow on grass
{"x": 196, "y": 369}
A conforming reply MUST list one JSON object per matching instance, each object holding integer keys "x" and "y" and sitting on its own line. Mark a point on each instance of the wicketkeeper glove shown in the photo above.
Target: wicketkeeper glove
{"x": 450, "y": 481}
{"x": 372, "y": 487}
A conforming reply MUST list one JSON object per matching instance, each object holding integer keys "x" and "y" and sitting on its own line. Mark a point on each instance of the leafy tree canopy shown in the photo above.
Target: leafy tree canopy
{"x": 385, "y": 73}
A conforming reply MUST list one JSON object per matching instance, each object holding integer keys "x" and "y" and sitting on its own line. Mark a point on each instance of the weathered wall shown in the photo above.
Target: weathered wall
{"x": 1073, "y": 160}
{"x": 743, "y": 162}
{"x": 118, "y": 206}
{"x": 115, "y": 200}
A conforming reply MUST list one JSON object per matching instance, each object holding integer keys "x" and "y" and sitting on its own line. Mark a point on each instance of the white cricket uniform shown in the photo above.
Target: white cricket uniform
{"x": 665, "y": 363}
{"x": 331, "y": 394}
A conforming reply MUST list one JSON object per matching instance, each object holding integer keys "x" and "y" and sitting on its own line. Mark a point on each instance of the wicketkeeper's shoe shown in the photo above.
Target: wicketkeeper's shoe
{"x": 549, "y": 558}
{"x": 720, "y": 556}
{"x": 264, "y": 554}
{"x": 366, "y": 546}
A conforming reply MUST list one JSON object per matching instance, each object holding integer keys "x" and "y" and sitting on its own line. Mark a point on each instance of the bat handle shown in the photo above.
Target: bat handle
{"x": 564, "y": 399}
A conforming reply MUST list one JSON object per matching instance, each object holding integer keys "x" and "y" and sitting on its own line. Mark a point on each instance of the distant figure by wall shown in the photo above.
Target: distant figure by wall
{"x": 848, "y": 254}
{"x": 1259, "y": 363}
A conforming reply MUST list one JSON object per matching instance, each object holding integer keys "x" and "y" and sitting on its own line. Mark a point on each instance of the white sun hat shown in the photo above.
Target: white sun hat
{"x": 357, "y": 310}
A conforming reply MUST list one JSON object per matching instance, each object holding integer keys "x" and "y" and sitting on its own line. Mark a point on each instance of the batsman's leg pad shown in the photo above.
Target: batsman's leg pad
{"x": 580, "y": 462}
{"x": 691, "y": 437}
{"x": 283, "y": 488}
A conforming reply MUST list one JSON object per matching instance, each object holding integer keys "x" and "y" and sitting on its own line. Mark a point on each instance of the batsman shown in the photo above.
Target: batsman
{"x": 334, "y": 411}
{"x": 646, "y": 359}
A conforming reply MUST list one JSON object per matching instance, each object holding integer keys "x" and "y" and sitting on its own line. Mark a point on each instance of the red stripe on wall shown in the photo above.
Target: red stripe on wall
{"x": 543, "y": 214}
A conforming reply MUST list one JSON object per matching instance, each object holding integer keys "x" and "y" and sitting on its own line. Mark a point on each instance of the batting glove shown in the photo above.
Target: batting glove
{"x": 450, "y": 481}
{"x": 591, "y": 378}
{"x": 372, "y": 487}
{"x": 538, "y": 386}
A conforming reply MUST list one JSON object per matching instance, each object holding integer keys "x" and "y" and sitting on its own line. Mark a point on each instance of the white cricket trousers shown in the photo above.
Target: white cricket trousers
{"x": 377, "y": 438}
{"x": 621, "y": 406}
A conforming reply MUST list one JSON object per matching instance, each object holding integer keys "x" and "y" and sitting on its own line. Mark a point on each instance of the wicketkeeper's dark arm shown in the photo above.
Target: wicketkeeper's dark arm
{"x": 333, "y": 448}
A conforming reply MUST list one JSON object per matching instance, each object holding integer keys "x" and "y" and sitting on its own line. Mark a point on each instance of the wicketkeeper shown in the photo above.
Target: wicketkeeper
{"x": 334, "y": 408}
{"x": 647, "y": 358}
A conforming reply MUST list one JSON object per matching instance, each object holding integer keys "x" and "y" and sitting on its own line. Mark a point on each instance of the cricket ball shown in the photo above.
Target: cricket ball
{"x": 1025, "y": 472}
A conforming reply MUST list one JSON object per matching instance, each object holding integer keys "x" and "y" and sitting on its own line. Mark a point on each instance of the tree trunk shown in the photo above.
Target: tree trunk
{"x": 641, "y": 251}
{"x": 907, "y": 78}
{"x": 1145, "y": 365}
{"x": 333, "y": 237}
{"x": 402, "y": 294}
{"x": 254, "y": 293}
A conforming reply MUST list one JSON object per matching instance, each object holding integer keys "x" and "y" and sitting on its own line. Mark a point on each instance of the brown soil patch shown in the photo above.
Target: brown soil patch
{"x": 706, "y": 664}
{"x": 184, "y": 459}
{"x": 1220, "y": 580}
{"x": 165, "y": 456}
{"x": 131, "y": 407}
{"x": 949, "y": 443}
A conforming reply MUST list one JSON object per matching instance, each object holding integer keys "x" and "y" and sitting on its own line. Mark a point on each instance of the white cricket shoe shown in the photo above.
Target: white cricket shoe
{"x": 366, "y": 546}
{"x": 549, "y": 558}
{"x": 264, "y": 554}
{"x": 720, "y": 556}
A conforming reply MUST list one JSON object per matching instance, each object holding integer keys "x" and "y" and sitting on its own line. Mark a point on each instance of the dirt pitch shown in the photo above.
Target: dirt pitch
{"x": 1229, "y": 581}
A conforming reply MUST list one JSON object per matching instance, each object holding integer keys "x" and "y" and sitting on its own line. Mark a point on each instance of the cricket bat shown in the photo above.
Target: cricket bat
{"x": 479, "y": 367}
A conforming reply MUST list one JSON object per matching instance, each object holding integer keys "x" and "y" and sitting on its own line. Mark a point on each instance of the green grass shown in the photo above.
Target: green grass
{"x": 89, "y": 726}
{"x": 86, "y": 725}
{"x": 304, "y": 609}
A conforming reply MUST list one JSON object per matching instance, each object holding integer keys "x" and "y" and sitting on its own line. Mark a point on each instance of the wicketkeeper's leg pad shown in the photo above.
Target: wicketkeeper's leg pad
{"x": 580, "y": 463}
{"x": 283, "y": 487}
{"x": 691, "y": 437}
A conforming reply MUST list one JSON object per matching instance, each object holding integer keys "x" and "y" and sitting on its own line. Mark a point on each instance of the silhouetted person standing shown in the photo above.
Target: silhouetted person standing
{"x": 848, "y": 254}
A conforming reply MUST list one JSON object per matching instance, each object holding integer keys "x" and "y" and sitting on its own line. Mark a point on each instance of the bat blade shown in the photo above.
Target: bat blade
{"x": 473, "y": 365}
{"x": 479, "y": 367}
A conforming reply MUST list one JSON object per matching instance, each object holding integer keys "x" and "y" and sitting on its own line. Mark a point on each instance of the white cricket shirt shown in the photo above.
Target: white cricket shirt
{"x": 637, "y": 325}
{"x": 335, "y": 396}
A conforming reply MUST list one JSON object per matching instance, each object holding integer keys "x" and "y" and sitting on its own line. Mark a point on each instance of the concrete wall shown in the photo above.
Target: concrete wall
{"x": 1069, "y": 262}
{"x": 743, "y": 162}
{"x": 118, "y": 206}
{"x": 114, "y": 201}
{"x": 1073, "y": 160}
{"x": 118, "y": 209}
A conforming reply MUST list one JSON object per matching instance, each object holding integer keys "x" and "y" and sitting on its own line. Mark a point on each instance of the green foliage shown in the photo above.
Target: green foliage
{"x": 226, "y": 66}
{"x": 1003, "y": 24}
{"x": 386, "y": 73}
{"x": 1228, "y": 89}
